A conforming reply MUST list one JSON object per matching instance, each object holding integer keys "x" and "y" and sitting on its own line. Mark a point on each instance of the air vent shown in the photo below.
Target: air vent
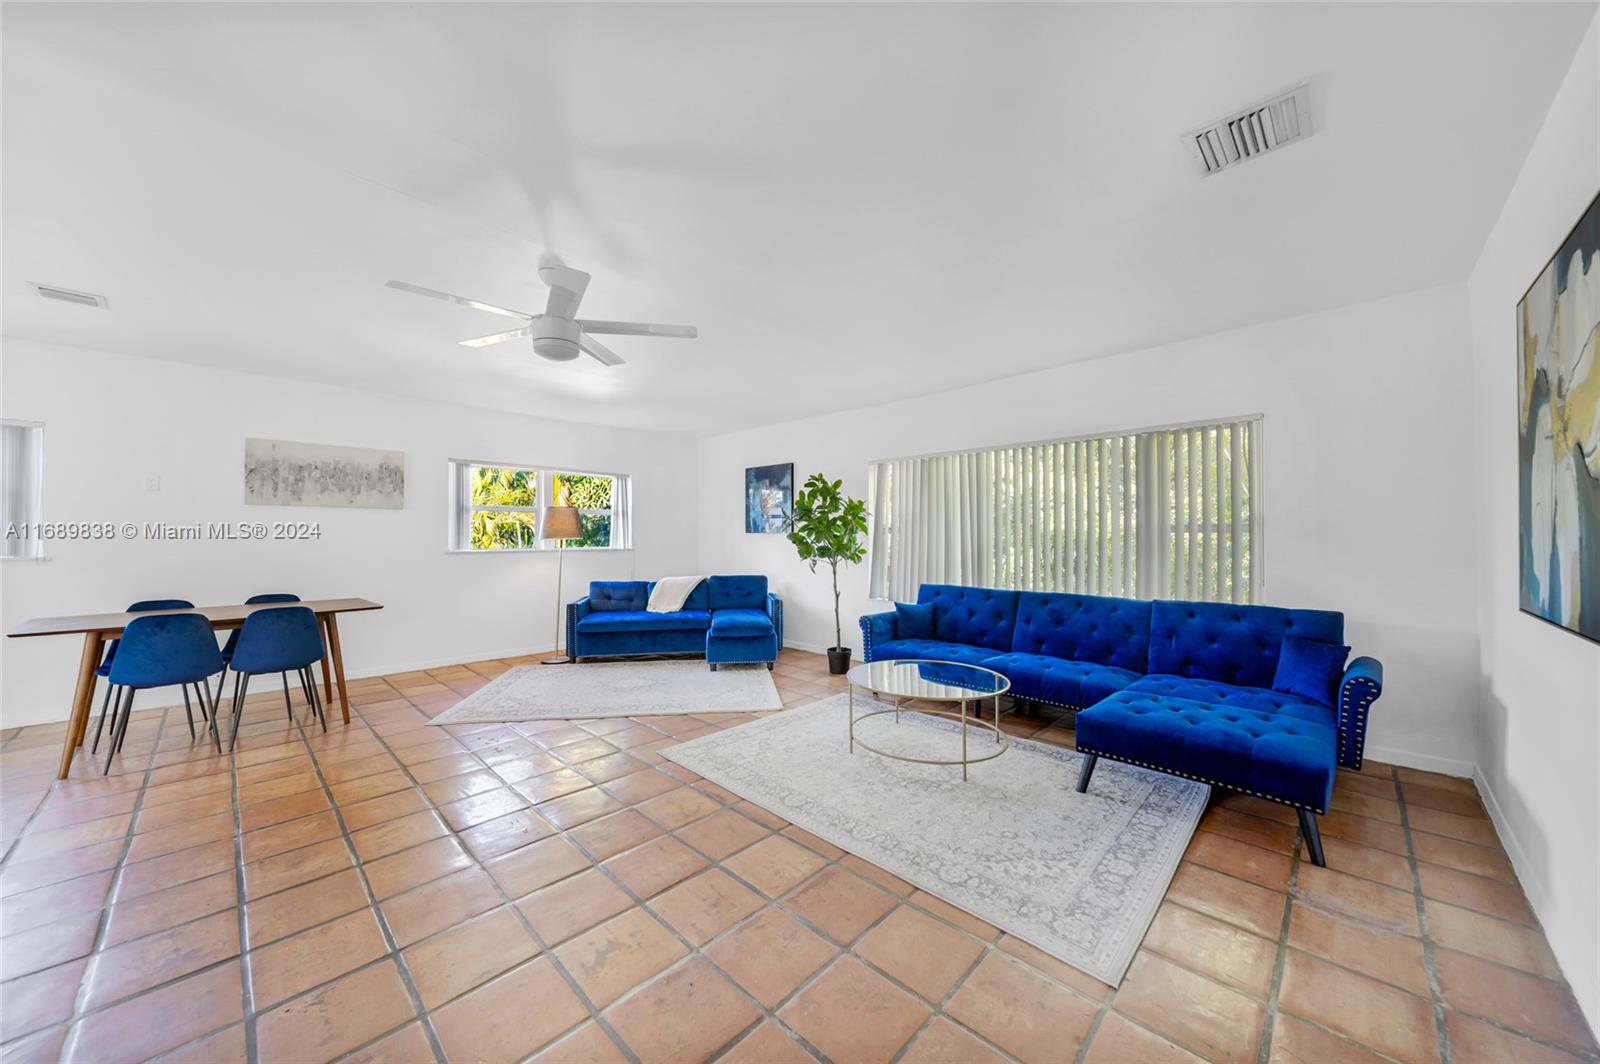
{"x": 67, "y": 295}
{"x": 1254, "y": 131}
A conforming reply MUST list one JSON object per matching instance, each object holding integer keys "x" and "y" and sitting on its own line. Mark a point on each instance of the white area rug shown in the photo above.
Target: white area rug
{"x": 1078, "y": 875}
{"x": 615, "y": 689}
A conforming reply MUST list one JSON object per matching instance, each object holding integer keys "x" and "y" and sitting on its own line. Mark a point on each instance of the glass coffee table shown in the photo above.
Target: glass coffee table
{"x": 944, "y": 682}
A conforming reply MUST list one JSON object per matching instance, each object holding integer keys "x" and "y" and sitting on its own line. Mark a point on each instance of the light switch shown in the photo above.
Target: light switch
{"x": 152, "y": 482}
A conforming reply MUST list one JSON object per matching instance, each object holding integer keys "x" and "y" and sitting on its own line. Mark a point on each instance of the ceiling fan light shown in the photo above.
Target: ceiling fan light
{"x": 555, "y": 348}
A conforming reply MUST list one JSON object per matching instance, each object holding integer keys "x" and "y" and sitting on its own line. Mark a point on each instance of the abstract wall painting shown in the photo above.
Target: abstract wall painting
{"x": 1558, "y": 434}
{"x": 284, "y": 473}
{"x": 768, "y": 497}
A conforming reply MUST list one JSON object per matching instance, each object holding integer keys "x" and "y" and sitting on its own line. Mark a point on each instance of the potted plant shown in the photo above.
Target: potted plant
{"x": 826, "y": 525}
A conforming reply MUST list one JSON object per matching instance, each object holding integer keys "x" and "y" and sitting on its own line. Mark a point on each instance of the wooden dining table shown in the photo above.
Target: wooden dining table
{"x": 98, "y": 628}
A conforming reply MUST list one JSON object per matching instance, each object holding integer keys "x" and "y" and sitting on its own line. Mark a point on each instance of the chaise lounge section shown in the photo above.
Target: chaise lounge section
{"x": 727, "y": 619}
{"x": 1249, "y": 698}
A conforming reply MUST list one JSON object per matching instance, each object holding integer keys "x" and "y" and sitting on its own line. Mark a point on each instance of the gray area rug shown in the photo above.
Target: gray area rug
{"x": 615, "y": 689}
{"x": 1078, "y": 875}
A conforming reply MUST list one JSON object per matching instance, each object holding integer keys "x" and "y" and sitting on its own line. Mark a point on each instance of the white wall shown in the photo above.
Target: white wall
{"x": 1367, "y": 492}
{"x": 112, "y": 420}
{"x": 1539, "y": 713}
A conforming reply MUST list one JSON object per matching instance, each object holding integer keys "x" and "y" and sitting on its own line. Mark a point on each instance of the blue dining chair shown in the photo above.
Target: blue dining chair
{"x": 233, "y": 642}
{"x": 286, "y": 639}
{"x": 144, "y": 606}
{"x": 174, "y": 649}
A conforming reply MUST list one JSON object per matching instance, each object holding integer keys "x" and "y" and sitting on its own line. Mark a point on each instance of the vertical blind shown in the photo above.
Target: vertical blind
{"x": 21, "y": 470}
{"x": 1170, "y": 513}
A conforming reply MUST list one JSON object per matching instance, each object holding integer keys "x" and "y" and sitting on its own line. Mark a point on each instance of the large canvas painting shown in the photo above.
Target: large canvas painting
{"x": 283, "y": 473}
{"x": 1558, "y": 434}
{"x": 768, "y": 497}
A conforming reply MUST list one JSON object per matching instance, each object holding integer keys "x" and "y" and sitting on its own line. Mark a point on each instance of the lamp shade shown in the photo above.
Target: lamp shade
{"x": 561, "y": 522}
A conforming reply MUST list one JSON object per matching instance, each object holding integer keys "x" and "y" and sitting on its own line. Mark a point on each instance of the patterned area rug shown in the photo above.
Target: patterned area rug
{"x": 1078, "y": 875}
{"x": 615, "y": 689}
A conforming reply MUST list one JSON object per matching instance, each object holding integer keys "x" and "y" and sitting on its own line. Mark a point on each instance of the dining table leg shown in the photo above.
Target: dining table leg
{"x": 78, "y": 721}
{"x": 327, "y": 642}
{"x": 338, "y": 665}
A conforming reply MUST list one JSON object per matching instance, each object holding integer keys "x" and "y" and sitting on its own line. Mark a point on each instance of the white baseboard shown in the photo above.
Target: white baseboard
{"x": 1528, "y": 874}
{"x": 1445, "y": 766}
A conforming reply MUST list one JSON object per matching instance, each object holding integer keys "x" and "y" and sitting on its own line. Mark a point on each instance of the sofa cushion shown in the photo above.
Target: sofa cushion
{"x": 931, "y": 650}
{"x": 738, "y": 592}
{"x": 740, "y": 623}
{"x": 1215, "y": 692}
{"x": 1228, "y": 642}
{"x": 1067, "y": 683}
{"x": 1310, "y": 669}
{"x": 1094, "y": 628}
{"x": 641, "y": 621}
{"x": 976, "y": 616}
{"x": 608, "y": 595}
{"x": 913, "y": 620}
{"x": 1264, "y": 753}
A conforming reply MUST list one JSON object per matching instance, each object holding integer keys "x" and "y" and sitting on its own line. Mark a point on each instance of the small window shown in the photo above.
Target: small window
{"x": 503, "y": 507}
{"x": 21, "y": 489}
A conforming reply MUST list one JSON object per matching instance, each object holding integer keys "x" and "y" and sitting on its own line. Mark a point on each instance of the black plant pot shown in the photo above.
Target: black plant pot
{"x": 838, "y": 660}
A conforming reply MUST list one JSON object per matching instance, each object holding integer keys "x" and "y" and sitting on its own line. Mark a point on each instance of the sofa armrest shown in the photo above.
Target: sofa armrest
{"x": 875, "y": 628}
{"x": 1360, "y": 687}
{"x": 775, "y": 611}
{"x": 576, "y": 611}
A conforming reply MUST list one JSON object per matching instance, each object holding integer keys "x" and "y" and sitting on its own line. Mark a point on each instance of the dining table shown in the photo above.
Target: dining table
{"x": 99, "y": 628}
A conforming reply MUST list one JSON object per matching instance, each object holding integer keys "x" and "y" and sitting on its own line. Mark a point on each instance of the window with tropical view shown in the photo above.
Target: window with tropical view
{"x": 501, "y": 507}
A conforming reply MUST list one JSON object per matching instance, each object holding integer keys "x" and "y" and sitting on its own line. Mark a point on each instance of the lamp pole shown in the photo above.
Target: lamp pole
{"x": 560, "y": 524}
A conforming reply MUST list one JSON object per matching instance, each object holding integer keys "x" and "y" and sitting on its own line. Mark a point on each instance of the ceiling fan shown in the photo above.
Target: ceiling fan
{"x": 557, "y": 335}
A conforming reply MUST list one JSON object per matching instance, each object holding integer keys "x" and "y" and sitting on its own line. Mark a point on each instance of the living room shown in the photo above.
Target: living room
{"x": 975, "y": 268}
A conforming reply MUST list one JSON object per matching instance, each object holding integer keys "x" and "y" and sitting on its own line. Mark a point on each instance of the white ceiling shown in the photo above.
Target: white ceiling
{"x": 853, "y": 203}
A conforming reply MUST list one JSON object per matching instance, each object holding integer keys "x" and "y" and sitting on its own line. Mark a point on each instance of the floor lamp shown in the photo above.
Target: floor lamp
{"x": 560, "y": 524}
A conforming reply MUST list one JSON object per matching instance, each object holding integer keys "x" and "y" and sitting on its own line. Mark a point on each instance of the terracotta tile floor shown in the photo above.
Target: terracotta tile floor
{"x": 558, "y": 892}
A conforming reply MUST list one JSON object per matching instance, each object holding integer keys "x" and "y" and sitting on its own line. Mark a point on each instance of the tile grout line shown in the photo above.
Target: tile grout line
{"x": 1429, "y": 959}
{"x": 1280, "y": 960}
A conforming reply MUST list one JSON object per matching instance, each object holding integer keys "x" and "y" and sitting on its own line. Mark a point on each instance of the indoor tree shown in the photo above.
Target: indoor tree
{"x": 826, "y": 525}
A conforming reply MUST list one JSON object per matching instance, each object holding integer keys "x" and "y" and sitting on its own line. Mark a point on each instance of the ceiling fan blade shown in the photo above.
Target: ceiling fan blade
{"x": 636, "y": 328}
{"x": 463, "y": 300}
{"x": 485, "y": 341}
{"x": 566, "y": 289}
{"x": 602, "y": 354}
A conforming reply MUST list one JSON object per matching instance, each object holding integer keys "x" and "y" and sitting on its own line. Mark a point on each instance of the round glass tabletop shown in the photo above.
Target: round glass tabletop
{"x": 939, "y": 681}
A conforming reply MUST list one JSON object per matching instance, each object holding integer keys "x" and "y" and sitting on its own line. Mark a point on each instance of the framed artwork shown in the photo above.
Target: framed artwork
{"x": 768, "y": 497}
{"x": 284, "y": 473}
{"x": 1558, "y": 435}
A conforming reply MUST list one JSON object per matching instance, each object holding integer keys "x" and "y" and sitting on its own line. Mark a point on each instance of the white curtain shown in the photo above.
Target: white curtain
{"x": 1170, "y": 513}
{"x": 21, "y": 451}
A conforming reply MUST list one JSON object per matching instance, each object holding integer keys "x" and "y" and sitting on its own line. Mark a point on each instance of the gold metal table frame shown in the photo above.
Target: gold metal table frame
{"x": 861, "y": 676}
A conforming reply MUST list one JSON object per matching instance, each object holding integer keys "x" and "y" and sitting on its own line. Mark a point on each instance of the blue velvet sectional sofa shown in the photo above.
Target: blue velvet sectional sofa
{"x": 1194, "y": 689}
{"x": 729, "y": 619}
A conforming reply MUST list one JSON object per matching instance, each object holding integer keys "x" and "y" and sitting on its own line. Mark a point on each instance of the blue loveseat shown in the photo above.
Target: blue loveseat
{"x": 729, "y": 619}
{"x": 1183, "y": 687}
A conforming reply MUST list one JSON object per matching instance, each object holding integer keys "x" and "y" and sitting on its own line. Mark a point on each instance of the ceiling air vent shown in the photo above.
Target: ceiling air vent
{"x": 67, "y": 295}
{"x": 1254, "y": 131}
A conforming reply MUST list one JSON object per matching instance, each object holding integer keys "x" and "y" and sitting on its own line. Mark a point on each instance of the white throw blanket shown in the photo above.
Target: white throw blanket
{"x": 670, "y": 593}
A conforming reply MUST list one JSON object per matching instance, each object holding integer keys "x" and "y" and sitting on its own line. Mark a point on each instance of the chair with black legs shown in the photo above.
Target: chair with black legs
{"x": 233, "y": 642}
{"x": 104, "y": 670}
{"x": 169, "y": 650}
{"x": 287, "y": 639}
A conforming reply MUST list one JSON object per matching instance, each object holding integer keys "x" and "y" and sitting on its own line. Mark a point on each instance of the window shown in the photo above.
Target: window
{"x": 21, "y": 489}
{"x": 502, "y": 507}
{"x": 1169, "y": 513}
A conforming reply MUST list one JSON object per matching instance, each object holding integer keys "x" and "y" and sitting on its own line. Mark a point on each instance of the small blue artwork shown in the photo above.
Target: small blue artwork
{"x": 768, "y": 497}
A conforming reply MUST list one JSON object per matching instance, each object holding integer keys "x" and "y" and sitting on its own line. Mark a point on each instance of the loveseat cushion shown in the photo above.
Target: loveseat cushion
{"x": 1214, "y": 692}
{"x": 738, "y": 592}
{"x": 975, "y": 616}
{"x": 1310, "y": 669}
{"x": 1269, "y": 754}
{"x": 643, "y": 621}
{"x": 609, "y": 595}
{"x": 913, "y": 620}
{"x": 740, "y": 623}
{"x": 1066, "y": 683}
{"x": 1232, "y": 643}
{"x": 1095, "y": 628}
{"x": 931, "y": 650}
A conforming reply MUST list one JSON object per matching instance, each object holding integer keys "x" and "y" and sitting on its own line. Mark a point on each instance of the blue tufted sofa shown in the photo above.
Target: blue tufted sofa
{"x": 1182, "y": 687}
{"x": 729, "y": 619}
